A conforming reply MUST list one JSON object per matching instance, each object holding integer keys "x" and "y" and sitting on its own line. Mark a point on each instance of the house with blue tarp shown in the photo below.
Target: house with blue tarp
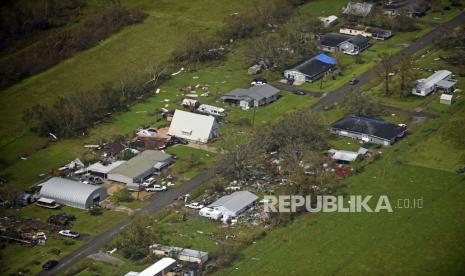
{"x": 311, "y": 70}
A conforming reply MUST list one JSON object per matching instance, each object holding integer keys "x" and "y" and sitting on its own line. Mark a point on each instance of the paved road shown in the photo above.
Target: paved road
{"x": 161, "y": 200}
{"x": 157, "y": 203}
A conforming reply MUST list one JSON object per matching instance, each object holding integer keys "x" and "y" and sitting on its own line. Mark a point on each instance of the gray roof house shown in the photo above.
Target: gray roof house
{"x": 139, "y": 167}
{"x": 351, "y": 45}
{"x": 72, "y": 193}
{"x": 254, "y": 96}
{"x": 368, "y": 130}
{"x": 234, "y": 204}
{"x": 360, "y": 9}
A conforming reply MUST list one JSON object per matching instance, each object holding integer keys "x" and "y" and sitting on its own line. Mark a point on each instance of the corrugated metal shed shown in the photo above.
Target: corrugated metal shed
{"x": 72, "y": 193}
{"x": 193, "y": 126}
{"x": 235, "y": 203}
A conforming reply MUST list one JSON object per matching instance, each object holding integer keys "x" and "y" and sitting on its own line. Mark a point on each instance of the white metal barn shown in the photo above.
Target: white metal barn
{"x": 102, "y": 170}
{"x": 139, "y": 167}
{"x": 234, "y": 204}
{"x": 194, "y": 127}
{"x": 72, "y": 193}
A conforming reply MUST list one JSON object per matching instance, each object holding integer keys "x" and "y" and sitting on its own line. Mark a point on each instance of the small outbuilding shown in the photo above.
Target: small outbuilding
{"x": 72, "y": 193}
{"x": 194, "y": 127}
{"x": 446, "y": 99}
{"x": 234, "y": 204}
{"x": 329, "y": 21}
{"x": 140, "y": 167}
{"x": 161, "y": 268}
{"x": 182, "y": 254}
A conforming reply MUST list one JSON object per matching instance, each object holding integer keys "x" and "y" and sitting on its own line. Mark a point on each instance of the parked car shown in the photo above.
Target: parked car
{"x": 95, "y": 180}
{"x": 69, "y": 234}
{"x": 148, "y": 182}
{"x": 258, "y": 81}
{"x": 299, "y": 92}
{"x": 156, "y": 188}
{"x": 50, "y": 264}
{"x": 194, "y": 205}
{"x": 353, "y": 81}
{"x": 176, "y": 140}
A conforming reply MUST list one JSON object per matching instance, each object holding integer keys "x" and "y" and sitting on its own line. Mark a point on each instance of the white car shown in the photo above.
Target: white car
{"x": 69, "y": 234}
{"x": 156, "y": 188}
{"x": 194, "y": 205}
{"x": 148, "y": 182}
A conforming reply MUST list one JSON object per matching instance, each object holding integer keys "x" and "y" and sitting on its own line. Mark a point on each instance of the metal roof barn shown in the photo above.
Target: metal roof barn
{"x": 72, "y": 193}
{"x": 140, "y": 167}
{"x": 234, "y": 204}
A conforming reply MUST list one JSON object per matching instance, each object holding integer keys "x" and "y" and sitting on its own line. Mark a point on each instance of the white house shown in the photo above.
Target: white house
{"x": 193, "y": 127}
{"x": 438, "y": 80}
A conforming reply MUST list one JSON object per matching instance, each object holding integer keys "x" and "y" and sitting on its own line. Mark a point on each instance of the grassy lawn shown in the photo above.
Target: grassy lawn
{"x": 165, "y": 28}
{"x": 190, "y": 160}
{"x": 410, "y": 241}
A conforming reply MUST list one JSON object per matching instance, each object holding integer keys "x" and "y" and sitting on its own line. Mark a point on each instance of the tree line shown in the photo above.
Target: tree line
{"x": 73, "y": 115}
{"x": 61, "y": 45}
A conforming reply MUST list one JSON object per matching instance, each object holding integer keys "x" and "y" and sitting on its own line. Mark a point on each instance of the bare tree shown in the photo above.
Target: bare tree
{"x": 385, "y": 70}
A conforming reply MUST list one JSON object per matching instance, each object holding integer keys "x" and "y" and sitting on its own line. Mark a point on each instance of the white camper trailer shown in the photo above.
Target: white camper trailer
{"x": 211, "y": 110}
{"x": 210, "y": 213}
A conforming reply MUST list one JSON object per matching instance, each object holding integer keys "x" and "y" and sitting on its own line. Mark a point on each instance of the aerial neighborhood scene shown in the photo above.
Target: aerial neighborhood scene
{"x": 232, "y": 137}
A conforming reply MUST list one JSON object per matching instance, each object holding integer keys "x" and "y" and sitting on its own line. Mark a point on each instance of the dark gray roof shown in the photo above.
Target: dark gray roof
{"x": 257, "y": 92}
{"x": 333, "y": 39}
{"x": 370, "y": 126}
{"x": 410, "y": 6}
{"x": 141, "y": 163}
{"x": 358, "y": 40}
{"x": 313, "y": 67}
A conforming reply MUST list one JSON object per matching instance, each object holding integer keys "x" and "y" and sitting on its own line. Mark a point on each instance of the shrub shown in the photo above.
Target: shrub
{"x": 123, "y": 195}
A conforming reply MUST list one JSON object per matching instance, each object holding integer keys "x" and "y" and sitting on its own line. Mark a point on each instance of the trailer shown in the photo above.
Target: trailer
{"x": 211, "y": 110}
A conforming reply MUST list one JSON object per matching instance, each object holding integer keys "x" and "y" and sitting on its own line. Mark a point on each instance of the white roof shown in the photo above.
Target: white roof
{"x": 235, "y": 201}
{"x": 158, "y": 267}
{"x": 344, "y": 155}
{"x": 447, "y": 97}
{"x": 192, "y": 126}
{"x": 101, "y": 168}
{"x": 70, "y": 192}
{"x": 211, "y": 107}
{"x": 435, "y": 78}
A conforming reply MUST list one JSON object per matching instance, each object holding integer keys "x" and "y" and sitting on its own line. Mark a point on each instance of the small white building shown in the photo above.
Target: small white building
{"x": 446, "y": 99}
{"x": 234, "y": 204}
{"x": 193, "y": 127}
{"x": 438, "y": 80}
{"x": 329, "y": 21}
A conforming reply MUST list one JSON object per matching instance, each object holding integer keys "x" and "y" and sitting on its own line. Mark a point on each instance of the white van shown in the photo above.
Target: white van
{"x": 211, "y": 110}
{"x": 210, "y": 213}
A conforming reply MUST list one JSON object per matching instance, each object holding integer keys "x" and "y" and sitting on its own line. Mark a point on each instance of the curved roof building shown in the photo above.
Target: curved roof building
{"x": 72, "y": 193}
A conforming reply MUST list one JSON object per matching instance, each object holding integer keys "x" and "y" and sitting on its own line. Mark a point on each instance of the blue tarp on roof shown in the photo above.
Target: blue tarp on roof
{"x": 326, "y": 59}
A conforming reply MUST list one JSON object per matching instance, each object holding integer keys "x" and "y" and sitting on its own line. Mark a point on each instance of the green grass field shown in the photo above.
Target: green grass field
{"x": 408, "y": 241}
